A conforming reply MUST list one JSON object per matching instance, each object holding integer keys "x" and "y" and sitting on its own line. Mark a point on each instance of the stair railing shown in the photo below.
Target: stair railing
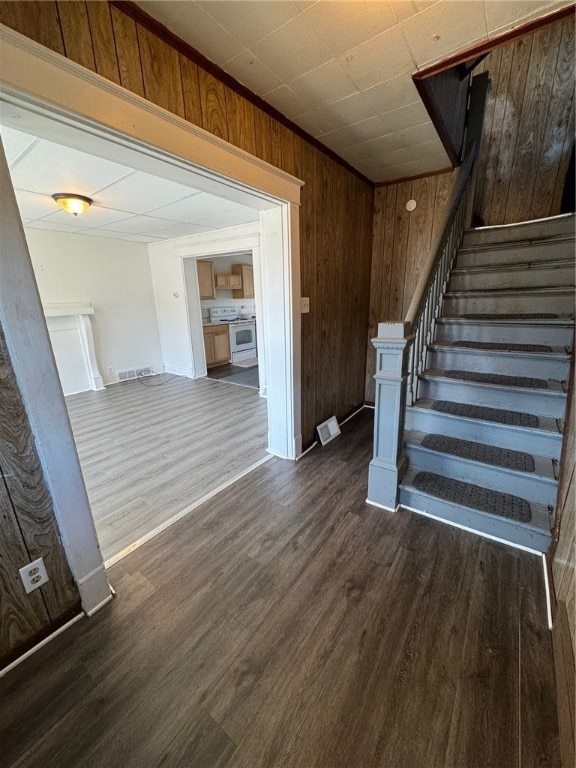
{"x": 401, "y": 347}
{"x": 426, "y": 304}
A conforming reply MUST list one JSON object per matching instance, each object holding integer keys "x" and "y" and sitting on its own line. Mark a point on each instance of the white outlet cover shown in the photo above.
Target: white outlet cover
{"x": 304, "y": 305}
{"x": 33, "y": 575}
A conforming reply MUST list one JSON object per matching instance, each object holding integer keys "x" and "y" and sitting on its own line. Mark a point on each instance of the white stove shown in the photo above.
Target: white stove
{"x": 242, "y": 330}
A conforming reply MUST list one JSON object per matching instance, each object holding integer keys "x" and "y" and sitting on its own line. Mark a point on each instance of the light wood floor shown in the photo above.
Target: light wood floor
{"x": 148, "y": 452}
{"x": 289, "y": 625}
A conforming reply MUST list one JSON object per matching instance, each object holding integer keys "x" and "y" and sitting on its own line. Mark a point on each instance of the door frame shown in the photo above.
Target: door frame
{"x": 73, "y": 102}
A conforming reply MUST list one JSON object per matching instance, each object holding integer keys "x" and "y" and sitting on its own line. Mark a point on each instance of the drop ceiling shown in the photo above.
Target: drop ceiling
{"x": 342, "y": 70}
{"x": 128, "y": 204}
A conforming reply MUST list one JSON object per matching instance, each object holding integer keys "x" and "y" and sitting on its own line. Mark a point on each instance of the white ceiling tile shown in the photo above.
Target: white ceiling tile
{"x": 201, "y": 30}
{"x": 140, "y": 192}
{"x": 443, "y": 28}
{"x": 292, "y": 50}
{"x": 430, "y": 150}
{"x": 101, "y": 233}
{"x": 380, "y": 59}
{"x": 190, "y": 209}
{"x": 386, "y": 143}
{"x": 230, "y": 218}
{"x": 34, "y": 206}
{"x": 393, "y": 94}
{"x": 15, "y": 144}
{"x": 95, "y": 216}
{"x": 44, "y": 224}
{"x": 250, "y": 71}
{"x": 289, "y": 103}
{"x": 250, "y": 20}
{"x": 503, "y": 14}
{"x": 325, "y": 84}
{"x": 343, "y": 25}
{"x": 138, "y": 225}
{"x": 405, "y": 117}
{"x": 49, "y": 168}
{"x": 406, "y": 8}
{"x": 419, "y": 134}
{"x": 177, "y": 230}
{"x": 303, "y": 4}
{"x": 140, "y": 238}
{"x": 320, "y": 121}
{"x": 365, "y": 130}
{"x": 352, "y": 109}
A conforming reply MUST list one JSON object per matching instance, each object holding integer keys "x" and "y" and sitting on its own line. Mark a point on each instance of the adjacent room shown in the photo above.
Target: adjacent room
{"x": 155, "y": 434}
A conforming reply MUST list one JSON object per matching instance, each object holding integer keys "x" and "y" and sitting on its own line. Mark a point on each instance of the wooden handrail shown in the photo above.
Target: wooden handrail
{"x": 435, "y": 251}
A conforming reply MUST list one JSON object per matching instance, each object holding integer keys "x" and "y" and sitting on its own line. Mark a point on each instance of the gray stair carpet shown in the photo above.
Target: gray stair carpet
{"x": 496, "y": 378}
{"x": 474, "y": 497}
{"x": 487, "y": 454}
{"x": 468, "y": 411}
{"x": 521, "y": 316}
{"x": 499, "y": 346}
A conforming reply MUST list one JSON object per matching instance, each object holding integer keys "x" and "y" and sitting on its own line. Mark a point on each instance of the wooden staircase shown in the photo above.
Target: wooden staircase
{"x": 483, "y": 439}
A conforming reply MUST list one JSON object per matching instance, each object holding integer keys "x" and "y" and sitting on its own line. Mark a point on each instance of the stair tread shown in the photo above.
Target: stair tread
{"x": 517, "y": 419}
{"x": 514, "y": 266}
{"x": 515, "y": 318}
{"x": 473, "y": 497}
{"x": 522, "y": 291}
{"x": 508, "y": 459}
{"x": 522, "y": 383}
{"x": 502, "y": 348}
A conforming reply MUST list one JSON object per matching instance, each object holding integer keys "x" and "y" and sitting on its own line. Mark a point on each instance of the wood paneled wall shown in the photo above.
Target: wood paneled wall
{"x": 401, "y": 242}
{"x": 336, "y": 215}
{"x": 529, "y": 126}
{"x": 28, "y": 530}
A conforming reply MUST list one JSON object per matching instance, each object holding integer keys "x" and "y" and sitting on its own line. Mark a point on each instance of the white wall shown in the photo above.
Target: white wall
{"x": 112, "y": 275}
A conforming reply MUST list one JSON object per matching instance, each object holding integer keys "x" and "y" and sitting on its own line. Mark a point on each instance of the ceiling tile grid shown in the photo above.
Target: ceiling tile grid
{"x": 128, "y": 204}
{"x": 334, "y": 66}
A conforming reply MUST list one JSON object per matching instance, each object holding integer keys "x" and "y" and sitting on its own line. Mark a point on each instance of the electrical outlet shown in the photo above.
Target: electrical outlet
{"x": 33, "y": 575}
{"x": 110, "y": 369}
{"x": 304, "y": 305}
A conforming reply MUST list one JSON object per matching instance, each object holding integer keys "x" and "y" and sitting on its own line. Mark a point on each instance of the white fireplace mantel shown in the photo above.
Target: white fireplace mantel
{"x": 82, "y": 313}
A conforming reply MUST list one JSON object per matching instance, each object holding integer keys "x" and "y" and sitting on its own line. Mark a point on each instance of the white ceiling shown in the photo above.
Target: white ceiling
{"x": 128, "y": 204}
{"x": 342, "y": 70}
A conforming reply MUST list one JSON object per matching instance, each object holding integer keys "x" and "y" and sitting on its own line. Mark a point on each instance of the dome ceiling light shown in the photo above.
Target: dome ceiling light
{"x": 71, "y": 203}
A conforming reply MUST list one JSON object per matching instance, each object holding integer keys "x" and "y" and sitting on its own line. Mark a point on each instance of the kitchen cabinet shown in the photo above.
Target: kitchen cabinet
{"x": 229, "y": 281}
{"x": 216, "y": 344}
{"x": 246, "y": 274}
{"x": 206, "y": 279}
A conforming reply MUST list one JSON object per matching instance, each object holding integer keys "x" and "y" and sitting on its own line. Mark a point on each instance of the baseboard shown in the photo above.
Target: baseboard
{"x": 178, "y": 370}
{"x": 564, "y": 671}
{"x": 41, "y": 644}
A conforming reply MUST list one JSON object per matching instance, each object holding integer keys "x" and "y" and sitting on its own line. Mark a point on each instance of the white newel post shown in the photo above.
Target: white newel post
{"x": 389, "y": 462}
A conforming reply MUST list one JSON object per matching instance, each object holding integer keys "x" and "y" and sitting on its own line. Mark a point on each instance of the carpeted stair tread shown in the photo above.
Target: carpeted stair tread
{"x": 495, "y": 378}
{"x": 494, "y": 345}
{"x": 473, "y": 496}
{"x": 486, "y": 454}
{"x": 468, "y": 411}
{"x": 511, "y": 316}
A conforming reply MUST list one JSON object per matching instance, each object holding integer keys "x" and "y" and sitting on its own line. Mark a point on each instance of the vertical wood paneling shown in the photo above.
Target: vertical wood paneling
{"x": 213, "y": 102}
{"x": 76, "y": 32}
{"x": 160, "y": 72}
{"x": 336, "y": 212}
{"x": 240, "y": 118}
{"x": 528, "y": 130}
{"x": 401, "y": 245}
{"x": 103, "y": 42}
{"x": 191, "y": 91}
{"x": 28, "y": 529}
{"x": 556, "y": 127}
{"x": 128, "y": 52}
{"x": 37, "y": 19}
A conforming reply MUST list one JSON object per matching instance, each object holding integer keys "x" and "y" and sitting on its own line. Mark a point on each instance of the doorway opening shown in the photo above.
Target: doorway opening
{"x": 74, "y": 127}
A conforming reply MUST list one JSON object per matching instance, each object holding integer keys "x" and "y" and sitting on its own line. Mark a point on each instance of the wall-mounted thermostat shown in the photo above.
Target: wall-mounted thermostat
{"x": 411, "y": 205}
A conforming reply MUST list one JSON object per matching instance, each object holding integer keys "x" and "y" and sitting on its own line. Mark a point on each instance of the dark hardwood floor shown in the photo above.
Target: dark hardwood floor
{"x": 286, "y": 623}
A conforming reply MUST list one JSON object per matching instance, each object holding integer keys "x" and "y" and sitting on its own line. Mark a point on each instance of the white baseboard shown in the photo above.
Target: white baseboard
{"x": 177, "y": 370}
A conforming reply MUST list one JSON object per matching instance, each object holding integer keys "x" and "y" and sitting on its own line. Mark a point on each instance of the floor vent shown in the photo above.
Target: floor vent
{"x": 328, "y": 430}
{"x": 134, "y": 373}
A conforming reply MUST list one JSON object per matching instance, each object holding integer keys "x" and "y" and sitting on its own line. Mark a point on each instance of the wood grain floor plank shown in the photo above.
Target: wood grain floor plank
{"x": 150, "y": 450}
{"x": 286, "y": 623}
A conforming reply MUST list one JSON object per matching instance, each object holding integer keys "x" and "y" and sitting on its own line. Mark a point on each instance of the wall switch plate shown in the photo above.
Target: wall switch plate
{"x": 110, "y": 369}
{"x": 304, "y": 305}
{"x": 33, "y": 575}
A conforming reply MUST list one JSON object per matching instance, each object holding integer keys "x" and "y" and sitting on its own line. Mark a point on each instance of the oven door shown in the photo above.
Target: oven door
{"x": 242, "y": 336}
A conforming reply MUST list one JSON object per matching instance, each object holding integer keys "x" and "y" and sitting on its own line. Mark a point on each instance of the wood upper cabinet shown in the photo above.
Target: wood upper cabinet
{"x": 206, "y": 279}
{"x": 216, "y": 344}
{"x": 246, "y": 273}
{"x": 228, "y": 281}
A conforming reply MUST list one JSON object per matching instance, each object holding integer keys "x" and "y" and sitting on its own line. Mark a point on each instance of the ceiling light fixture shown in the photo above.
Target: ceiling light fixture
{"x": 73, "y": 203}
